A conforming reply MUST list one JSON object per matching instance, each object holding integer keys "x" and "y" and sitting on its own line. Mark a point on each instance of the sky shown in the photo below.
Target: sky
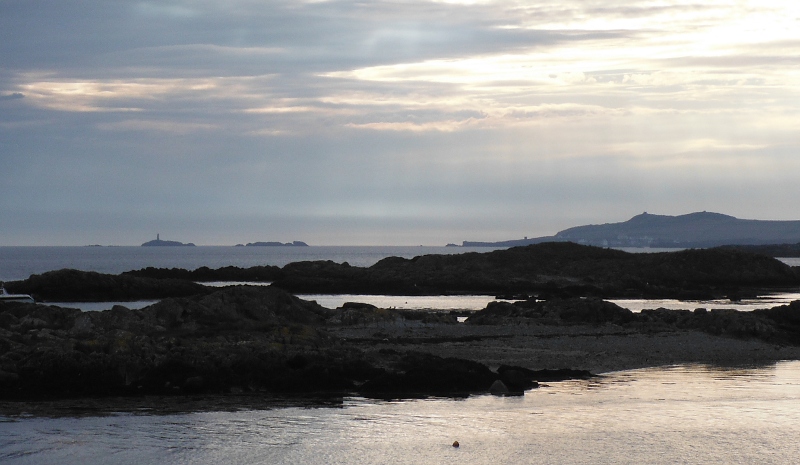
{"x": 395, "y": 122}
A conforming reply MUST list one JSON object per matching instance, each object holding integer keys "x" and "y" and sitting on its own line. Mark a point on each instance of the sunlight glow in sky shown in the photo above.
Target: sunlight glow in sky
{"x": 390, "y": 122}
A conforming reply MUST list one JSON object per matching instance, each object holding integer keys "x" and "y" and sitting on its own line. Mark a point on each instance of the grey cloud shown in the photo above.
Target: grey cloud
{"x": 120, "y": 38}
{"x": 194, "y": 160}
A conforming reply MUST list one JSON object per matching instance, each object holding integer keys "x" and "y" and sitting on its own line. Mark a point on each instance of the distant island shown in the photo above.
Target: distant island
{"x": 693, "y": 230}
{"x": 157, "y": 242}
{"x": 276, "y": 244}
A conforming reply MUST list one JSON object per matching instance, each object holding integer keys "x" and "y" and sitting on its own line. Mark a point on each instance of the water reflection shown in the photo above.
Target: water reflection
{"x": 744, "y": 305}
{"x": 683, "y": 413}
{"x": 467, "y": 302}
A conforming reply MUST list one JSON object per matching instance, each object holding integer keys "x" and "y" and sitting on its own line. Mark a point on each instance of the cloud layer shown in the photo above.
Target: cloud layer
{"x": 390, "y": 122}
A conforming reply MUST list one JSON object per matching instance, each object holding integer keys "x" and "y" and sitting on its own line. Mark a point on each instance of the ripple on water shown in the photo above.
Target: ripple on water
{"x": 687, "y": 413}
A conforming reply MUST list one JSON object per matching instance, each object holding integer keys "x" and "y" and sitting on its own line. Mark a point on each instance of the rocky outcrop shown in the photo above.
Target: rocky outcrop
{"x": 778, "y": 325}
{"x": 549, "y": 269}
{"x": 554, "y": 268}
{"x": 206, "y": 274}
{"x": 425, "y": 374}
{"x": 591, "y": 311}
{"x": 239, "y": 339}
{"x": 88, "y": 286}
{"x": 262, "y": 339}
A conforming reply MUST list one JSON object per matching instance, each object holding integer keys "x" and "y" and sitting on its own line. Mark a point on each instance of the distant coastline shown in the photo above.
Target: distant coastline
{"x": 693, "y": 230}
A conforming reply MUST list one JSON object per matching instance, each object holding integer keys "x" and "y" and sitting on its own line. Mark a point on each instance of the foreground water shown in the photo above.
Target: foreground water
{"x": 680, "y": 414}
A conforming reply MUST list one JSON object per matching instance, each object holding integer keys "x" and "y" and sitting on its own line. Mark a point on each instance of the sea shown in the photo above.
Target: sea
{"x": 688, "y": 414}
{"x": 694, "y": 414}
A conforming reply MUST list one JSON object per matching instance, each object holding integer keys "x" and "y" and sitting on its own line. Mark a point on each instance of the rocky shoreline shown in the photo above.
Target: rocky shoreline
{"x": 247, "y": 340}
{"x": 550, "y": 269}
{"x": 262, "y": 342}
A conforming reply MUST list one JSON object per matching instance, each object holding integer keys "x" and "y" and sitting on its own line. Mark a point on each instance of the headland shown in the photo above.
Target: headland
{"x": 693, "y": 230}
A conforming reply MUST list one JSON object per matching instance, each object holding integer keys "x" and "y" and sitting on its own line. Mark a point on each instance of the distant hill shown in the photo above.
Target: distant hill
{"x": 694, "y": 230}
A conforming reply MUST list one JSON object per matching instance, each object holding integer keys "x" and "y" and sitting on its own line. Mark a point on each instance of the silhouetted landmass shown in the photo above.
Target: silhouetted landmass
{"x": 564, "y": 269}
{"x": 549, "y": 268}
{"x": 277, "y": 244}
{"x": 88, "y": 286}
{"x": 265, "y": 273}
{"x": 694, "y": 230}
{"x": 770, "y": 250}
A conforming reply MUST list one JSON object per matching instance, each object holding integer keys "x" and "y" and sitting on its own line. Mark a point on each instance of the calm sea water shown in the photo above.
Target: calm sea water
{"x": 20, "y": 262}
{"x": 680, "y": 414}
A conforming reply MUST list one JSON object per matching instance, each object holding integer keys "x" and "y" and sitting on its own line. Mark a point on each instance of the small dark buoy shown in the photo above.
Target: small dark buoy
{"x": 456, "y": 444}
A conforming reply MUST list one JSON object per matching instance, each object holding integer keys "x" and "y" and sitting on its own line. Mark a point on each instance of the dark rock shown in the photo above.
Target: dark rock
{"x": 86, "y": 286}
{"x": 425, "y": 374}
{"x": 517, "y": 379}
{"x": 194, "y": 384}
{"x": 498, "y": 388}
{"x": 239, "y": 339}
{"x": 258, "y": 337}
{"x": 549, "y": 269}
{"x": 591, "y": 311}
{"x": 205, "y": 274}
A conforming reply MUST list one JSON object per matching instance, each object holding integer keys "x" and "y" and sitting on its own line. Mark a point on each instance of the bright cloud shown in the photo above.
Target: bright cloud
{"x": 577, "y": 111}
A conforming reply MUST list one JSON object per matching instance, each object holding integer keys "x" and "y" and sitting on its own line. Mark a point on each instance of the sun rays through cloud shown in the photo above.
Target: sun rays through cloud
{"x": 463, "y": 102}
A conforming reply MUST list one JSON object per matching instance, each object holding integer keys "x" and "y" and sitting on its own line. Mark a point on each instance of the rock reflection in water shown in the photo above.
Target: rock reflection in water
{"x": 684, "y": 414}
